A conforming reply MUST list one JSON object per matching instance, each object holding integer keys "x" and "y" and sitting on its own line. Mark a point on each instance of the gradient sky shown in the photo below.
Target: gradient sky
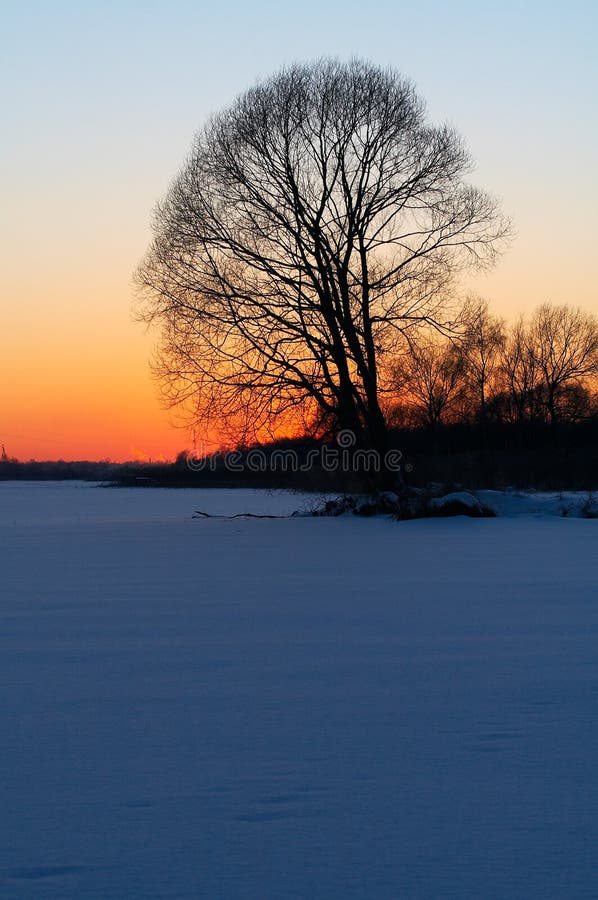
{"x": 100, "y": 103}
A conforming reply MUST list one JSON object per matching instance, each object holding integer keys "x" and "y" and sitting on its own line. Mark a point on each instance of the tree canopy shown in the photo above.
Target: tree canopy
{"x": 315, "y": 224}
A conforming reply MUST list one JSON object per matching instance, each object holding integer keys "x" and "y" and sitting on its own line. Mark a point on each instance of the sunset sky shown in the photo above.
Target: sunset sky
{"x": 101, "y": 101}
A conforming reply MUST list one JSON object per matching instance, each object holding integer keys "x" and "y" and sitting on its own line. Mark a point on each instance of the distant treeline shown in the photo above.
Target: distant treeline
{"x": 57, "y": 470}
{"x": 494, "y": 455}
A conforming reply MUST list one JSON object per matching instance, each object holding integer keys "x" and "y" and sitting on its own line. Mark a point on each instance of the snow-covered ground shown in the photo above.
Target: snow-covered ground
{"x": 295, "y": 708}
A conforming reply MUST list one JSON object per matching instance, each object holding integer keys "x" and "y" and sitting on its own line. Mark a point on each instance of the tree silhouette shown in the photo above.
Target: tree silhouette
{"x": 316, "y": 222}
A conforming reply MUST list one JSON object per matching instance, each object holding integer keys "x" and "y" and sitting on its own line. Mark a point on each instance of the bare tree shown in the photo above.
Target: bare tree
{"x": 563, "y": 342}
{"x": 520, "y": 375}
{"x": 431, "y": 378}
{"x": 549, "y": 363}
{"x": 315, "y": 223}
{"x": 482, "y": 348}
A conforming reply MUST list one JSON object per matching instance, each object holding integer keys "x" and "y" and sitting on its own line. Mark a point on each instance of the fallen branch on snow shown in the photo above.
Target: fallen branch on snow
{"x": 200, "y": 514}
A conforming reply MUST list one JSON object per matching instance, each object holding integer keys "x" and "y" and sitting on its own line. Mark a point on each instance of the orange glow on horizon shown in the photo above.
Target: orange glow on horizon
{"x": 81, "y": 389}
{"x": 74, "y": 368}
